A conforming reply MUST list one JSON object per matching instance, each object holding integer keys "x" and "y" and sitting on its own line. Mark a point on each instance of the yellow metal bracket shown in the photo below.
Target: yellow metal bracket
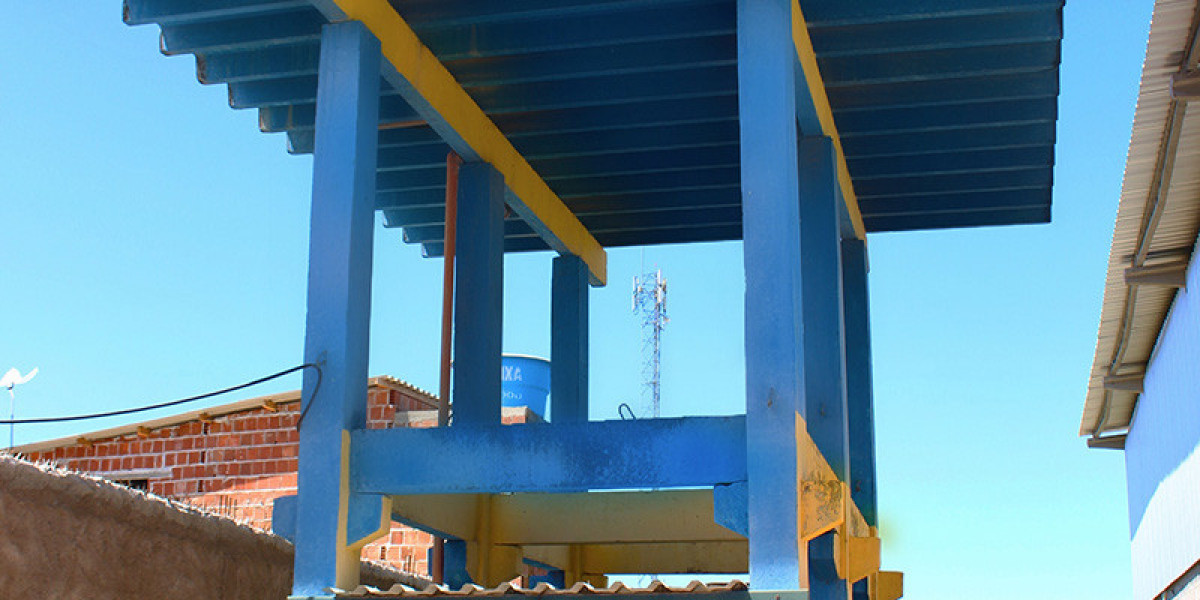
{"x": 536, "y": 203}
{"x": 816, "y": 87}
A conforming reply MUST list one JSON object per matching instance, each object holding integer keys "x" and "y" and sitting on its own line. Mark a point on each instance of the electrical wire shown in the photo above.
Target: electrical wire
{"x": 128, "y": 411}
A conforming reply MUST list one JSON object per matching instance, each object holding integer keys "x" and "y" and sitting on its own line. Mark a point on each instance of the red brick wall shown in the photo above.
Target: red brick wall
{"x": 236, "y": 464}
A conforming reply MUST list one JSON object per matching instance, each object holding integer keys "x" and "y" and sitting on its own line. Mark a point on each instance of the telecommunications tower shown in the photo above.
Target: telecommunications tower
{"x": 650, "y": 303}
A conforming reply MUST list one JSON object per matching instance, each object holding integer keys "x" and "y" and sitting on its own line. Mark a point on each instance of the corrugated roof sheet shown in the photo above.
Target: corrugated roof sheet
{"x": 542, "y": 589}
{"x": 1132, "y": 316}
{"x": 628, "y": 108}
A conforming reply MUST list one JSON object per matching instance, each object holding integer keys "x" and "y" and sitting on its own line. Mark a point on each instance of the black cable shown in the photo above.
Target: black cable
{"x": 128, "y": 411}
{"x": 621, "y": 410}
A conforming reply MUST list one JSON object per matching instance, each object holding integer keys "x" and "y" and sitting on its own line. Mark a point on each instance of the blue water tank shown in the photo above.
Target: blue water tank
{"x": 525, "y": 381}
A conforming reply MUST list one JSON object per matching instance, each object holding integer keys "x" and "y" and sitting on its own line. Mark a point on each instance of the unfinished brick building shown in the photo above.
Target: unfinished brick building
{"x": 236, "y": 458}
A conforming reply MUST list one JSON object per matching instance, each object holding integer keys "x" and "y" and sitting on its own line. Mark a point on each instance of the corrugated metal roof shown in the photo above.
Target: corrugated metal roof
{"x": 214, "y": 411}
{"x": 1132, "y": 316}
{"x": 628, "y": 108}
{"x": 543, "y": 589}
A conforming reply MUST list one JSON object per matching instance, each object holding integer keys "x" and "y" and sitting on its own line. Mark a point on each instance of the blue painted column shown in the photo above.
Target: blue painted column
{"x": 859, "y": 389}
{"x": 339, "y": 298}
{"x": 771, "y": 233}
{"x": 824, "y": 354}
{"x": 569, "y": 340}
{"x": 478, "y": 295}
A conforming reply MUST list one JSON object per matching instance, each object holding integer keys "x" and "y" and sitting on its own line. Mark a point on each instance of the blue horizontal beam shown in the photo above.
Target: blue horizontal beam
{"x": 878, "y": 208}
{"x": 292, "y": 60}
{"x": 1015, "y": 112}
{"x": 984, "y": 137}
{"x": 647, "y": 23}
{"x": 573, "y": 120}
{"x": 1017, "y": 216}
{"x": 677, "y": 235}
{"x": 433, "y": 214}
{"x": 991, "y": 87}
{"x": 945, "y": 163}
{"x": 826, "y": 14}
{"x": 1037, "y": 25}
{"x": 243, "y": 34}
{"x": 580, "y": 63}
{"x": 524, "y": 97}
{"x": 610, "y": 222}
{"x": 938, "y": 64}
{"x": 169, "y": 12}
{"x": 937, "y": 184}
{"x": 484, "y": 459}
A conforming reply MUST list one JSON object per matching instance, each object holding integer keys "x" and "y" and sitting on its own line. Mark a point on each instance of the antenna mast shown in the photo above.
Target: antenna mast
{"x": 650, "y": 303}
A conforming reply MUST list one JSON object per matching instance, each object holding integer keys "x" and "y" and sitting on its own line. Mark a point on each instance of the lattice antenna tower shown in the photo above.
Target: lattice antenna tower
{"x": 650, "y": 303}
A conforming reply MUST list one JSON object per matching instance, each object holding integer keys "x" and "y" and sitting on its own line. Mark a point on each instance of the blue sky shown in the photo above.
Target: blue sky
{"x": 154, "y": 245}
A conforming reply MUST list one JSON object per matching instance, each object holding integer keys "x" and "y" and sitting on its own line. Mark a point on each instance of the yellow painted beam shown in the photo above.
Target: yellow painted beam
{"x": 822, "y": 494}
{"x": 693, "y": 557}
{"x": 889, "y": 585}
{"x": 561, "y": 519}
{"x": 538, "y": 205}
{"x": 607, "y": 518}
{"x": 816, "y": 87}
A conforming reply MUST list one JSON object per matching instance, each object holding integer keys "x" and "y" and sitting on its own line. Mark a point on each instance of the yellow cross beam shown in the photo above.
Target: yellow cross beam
{"x": 432, "y": 90}
{"x": 816, "y": 88}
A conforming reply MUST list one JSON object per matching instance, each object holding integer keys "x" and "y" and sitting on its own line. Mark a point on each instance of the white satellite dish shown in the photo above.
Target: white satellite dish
{"x": 10, "y": 380}
{"x": 13, "y": 378}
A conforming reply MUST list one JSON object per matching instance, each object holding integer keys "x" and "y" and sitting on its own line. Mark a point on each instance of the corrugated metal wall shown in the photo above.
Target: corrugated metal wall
{"x": 1161, "y": 460}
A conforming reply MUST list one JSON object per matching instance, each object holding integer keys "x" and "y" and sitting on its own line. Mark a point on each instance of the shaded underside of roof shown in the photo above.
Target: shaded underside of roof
{"x": 1132, "y": 316}
{"x": 628, "y": 108}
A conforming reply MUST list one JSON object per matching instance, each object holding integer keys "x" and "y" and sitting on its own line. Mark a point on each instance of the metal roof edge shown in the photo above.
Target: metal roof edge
{"x": 1172, "y": 31}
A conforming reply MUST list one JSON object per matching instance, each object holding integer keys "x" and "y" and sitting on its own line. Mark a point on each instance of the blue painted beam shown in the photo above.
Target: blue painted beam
{"x": 339, "y": 293}
{"x": 514, "y": 96}
{"x": 602, "y": 223}
{"x": 575, "y": 120}
{"x": 919, "y": 184}
{"x": 549, "y": 457}
{"x": 850, "y": 96}
{"x": 569, "y": 340}
{"x": 851, "y": 13}
{"x": 877, "y": 208}
{"x": 168, "y": 12}
{"x": 950, "y": 31}
{"x": 771, "y": 251}
{"x": 1010, "y": 216}
{"x": 938, "y": 64}
{"x": 676, "y": 235}
{"x": 860, "y": 403}
{"x": 864, "y": 148}
{"x": 479, "y": 295}
{"x": 914, "y": 120}
{"x": 635, "y": 57}
{"x": 524, "y": 36}
{"x": 292, "y": 60}
{"x": 247, "y": 33}
{"x": 395, "y": 144}
{"x": 949, "y": 163}
{"x": 824, "y": 368}
{"x": 727, "y": 197}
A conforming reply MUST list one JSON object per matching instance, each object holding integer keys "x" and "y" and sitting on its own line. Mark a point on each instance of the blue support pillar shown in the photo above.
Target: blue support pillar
{"x": 824, "y": 355}
{"x": 478, "y": 295}
{"x": 859, "y": 390}
{"x": 771, "y": 233}
{"x": 339, "y": 301}
{"x": 569, "y": 340}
